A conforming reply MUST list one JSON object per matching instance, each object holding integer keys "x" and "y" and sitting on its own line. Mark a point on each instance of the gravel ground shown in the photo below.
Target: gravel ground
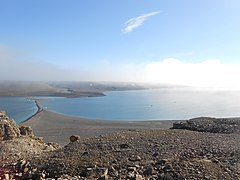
{"x": 131, "y": 154}
{"x": 154, "y": 154}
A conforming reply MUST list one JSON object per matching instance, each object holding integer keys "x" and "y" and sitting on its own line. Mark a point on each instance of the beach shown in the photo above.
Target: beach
{"x": 54, "y": 127}
{"x": 199, "y": 148}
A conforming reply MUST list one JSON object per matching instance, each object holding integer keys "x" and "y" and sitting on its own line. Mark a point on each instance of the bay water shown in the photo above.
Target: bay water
{"x": 18, "y": 108}
{"x": 154, "y": 104}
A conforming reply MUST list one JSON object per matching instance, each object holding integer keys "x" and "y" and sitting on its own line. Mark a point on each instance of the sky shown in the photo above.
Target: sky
{"x": 194, "y": 43}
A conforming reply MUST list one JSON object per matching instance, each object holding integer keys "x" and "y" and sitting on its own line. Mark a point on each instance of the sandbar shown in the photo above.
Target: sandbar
{"x": 55, "y": 127}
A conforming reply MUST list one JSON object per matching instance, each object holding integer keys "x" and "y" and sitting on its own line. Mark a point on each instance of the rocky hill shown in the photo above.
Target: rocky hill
{"x": 134, "y": 154}
{"x": 212, "y": 125}
{"x": 18, "y": 144}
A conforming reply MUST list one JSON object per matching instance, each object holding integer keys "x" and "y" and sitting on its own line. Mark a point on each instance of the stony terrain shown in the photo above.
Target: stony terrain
{"x": 134, "y": 154}
{"x": 212, "y": 125}
{"x": 18, "y": 143}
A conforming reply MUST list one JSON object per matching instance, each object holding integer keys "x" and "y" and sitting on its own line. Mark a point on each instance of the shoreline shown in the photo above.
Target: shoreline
{"x": 55, "y": 127}
{"x": 39, "y": 109}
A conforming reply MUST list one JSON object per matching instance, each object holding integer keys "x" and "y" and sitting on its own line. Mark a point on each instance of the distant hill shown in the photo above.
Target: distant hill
{"x": 30, "y": 88}
{"x": 100, "y": 86}
{"x": 68, "y": 89}
{"x": 24, "y": 88}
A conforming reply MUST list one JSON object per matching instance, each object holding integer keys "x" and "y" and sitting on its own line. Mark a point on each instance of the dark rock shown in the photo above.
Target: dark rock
{"x": 74, "y": 138}
{"x": 135, "y": 158}
{"x": 26, "y": 131}
{"x": 155, "y": 154}
{"x": 103, "y": 177}
{"x": 148, "y": 171}
{"x": 167, "y": 176}
{"x": 54, "y": 145}
{"x": 124, "y": 146}
{"x": 167, "y": 167}
{"x": 161, "y": 162}
{"x": 85, "y": 153}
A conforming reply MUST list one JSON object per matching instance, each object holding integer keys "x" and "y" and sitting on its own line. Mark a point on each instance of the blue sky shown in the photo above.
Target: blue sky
{"x": 117, "y": 40}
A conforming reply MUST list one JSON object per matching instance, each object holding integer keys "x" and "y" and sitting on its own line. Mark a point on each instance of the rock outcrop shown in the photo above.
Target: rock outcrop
{"x": 18, "y": 145}
{"x": 26, "y": 131}
{"x": 10, "y": 130}
{"x": 212, "y": 125}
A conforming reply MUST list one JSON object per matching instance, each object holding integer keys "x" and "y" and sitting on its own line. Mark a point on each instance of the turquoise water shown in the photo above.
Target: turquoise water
{"x": 161, "y": 104}
{"x": 18, "y": 108}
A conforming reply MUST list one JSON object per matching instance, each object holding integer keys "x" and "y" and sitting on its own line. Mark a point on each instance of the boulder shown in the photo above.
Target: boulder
{"x": 74, "y": 138}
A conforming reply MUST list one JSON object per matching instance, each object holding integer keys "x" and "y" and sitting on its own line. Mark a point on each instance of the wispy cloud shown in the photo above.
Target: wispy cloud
{"x": 135, "y": 22}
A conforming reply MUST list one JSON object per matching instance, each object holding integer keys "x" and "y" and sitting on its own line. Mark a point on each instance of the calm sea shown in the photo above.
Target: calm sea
{"x": 157, "y": 104}
{"x": 18, "y": 108}
{"x": 161, "y": 104}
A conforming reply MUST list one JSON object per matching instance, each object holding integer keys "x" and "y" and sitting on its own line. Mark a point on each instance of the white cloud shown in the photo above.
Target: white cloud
{"x": 209, "y": 73}
{"x": 16, "y": 65}
{"x": 135, "y": 22}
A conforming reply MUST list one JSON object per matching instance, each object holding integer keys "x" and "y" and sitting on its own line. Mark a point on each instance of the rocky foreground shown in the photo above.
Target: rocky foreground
{"x": 206, "y": 150}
